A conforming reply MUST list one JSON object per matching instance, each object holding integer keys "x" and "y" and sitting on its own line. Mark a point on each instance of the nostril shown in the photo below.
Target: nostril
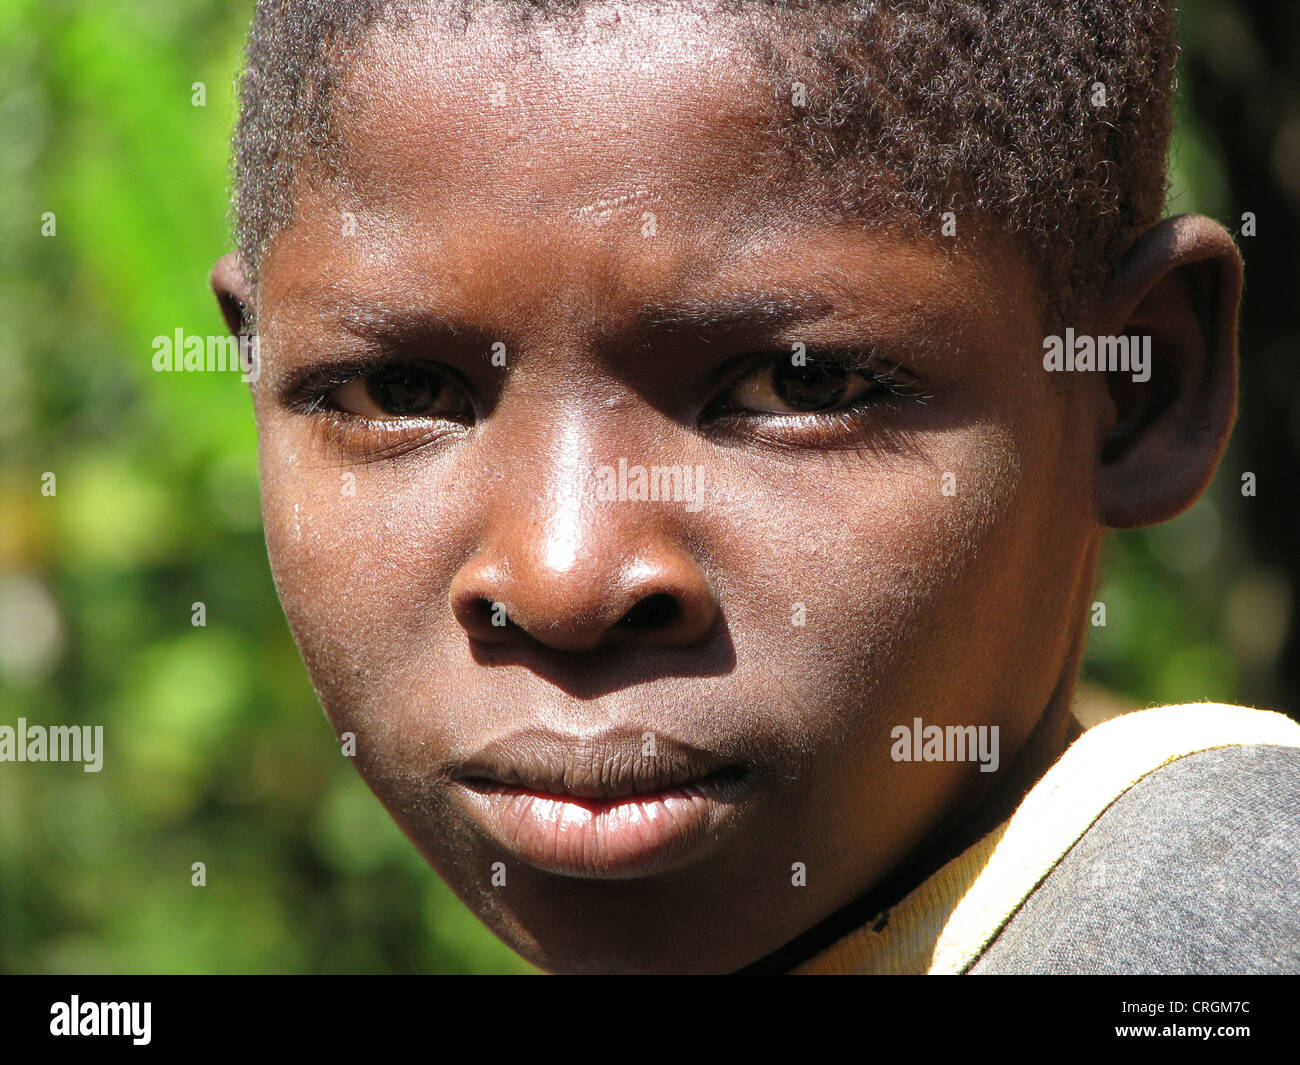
{"x": 489, "y": 615}
{"x": 652, "y": 612}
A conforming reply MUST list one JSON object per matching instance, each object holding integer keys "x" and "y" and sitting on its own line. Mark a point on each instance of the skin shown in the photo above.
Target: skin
{"x": 522, "y": 220}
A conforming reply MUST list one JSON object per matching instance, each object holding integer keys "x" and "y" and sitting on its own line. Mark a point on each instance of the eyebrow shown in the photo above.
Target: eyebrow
{"x": 376, "y": 322}
{"x": 395, "y": 322}
{"x": 734, "y": 309}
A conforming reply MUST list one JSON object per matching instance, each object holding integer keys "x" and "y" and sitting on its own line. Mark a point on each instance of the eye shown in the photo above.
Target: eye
{"x": 813, "y": 385}
{"x": 402, "y": 390}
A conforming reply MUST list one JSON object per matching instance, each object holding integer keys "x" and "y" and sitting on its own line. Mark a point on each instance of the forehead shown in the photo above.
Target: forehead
{"x": 616, "y": 110}
{"x": 592, "y": 165}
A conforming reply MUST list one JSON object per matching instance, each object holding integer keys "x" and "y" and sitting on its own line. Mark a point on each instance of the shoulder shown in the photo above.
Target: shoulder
{"x": 1195, "y": 868}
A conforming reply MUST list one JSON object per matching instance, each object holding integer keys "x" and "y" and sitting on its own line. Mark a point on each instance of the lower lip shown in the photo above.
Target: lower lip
{"x": 605, "y": 839}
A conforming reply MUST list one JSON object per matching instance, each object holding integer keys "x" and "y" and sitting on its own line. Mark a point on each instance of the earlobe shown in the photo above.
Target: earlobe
{"x": 1161, "y": 439}
{"x": 234, "y": 293}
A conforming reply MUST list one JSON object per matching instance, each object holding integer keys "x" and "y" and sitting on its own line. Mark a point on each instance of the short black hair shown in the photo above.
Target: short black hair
{"x": 1049, "y": 118}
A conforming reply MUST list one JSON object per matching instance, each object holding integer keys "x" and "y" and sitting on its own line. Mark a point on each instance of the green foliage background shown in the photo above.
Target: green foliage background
{"x": 217, "y": 751}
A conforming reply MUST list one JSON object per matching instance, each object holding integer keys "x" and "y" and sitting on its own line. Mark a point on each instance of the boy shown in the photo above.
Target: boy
{"x": 687, "y": 433}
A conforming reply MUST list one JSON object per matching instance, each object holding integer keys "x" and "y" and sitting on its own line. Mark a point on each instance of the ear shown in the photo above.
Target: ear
{"x": 234, "y": 293}
{"x": 1160, "y": 440}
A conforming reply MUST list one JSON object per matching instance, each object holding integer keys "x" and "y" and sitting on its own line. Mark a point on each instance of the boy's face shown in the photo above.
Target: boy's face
{"x": 852, "y": 550}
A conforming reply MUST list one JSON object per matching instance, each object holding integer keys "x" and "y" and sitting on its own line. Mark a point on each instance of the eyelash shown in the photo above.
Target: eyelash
{"x": 865, "y": 364}
{"x": 310, "y": 395}
{"x": 352, "y": 433}
{"x": 889, "y": 384}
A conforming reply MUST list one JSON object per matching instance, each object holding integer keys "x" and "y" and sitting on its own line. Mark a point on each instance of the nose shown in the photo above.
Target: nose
{"x": 617, "y": 580}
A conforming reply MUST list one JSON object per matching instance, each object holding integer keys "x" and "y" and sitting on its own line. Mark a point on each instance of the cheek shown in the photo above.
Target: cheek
{"x": 933, "y": 586}
{"x": 923, "y": 597}
{"x": 362, "y": 558}
{"x": 863, "y": 562}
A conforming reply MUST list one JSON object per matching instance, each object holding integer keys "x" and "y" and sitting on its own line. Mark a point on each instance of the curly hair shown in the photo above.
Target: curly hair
{"x": 1048, "y": 118}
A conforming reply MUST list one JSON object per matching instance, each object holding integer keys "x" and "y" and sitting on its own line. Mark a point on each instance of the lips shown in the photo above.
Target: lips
{"x": 619, "y": 804}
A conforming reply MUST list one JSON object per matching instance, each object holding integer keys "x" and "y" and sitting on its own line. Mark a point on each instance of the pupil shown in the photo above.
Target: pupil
{"x": 812, "y": 386}
{"x": 402, "y": 390}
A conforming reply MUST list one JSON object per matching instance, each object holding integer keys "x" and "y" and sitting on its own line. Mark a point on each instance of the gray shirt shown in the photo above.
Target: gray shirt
{"x": 1194, "y": 869}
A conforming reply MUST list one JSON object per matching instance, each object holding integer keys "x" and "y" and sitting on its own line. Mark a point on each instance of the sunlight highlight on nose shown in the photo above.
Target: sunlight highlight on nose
{"x": 564, "y": 524}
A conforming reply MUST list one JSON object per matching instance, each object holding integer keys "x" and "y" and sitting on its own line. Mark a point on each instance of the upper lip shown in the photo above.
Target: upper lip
{"x": 612, "y": 763}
